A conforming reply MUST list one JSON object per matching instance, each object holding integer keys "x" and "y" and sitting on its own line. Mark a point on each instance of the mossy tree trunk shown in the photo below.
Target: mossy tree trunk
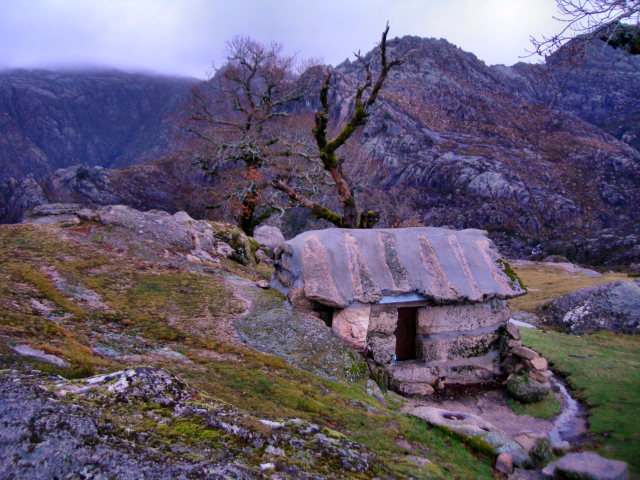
{"x": 327, "y": 148}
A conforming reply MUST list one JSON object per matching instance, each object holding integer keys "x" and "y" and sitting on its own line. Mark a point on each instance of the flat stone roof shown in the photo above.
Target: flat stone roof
{"x": 339, "y": 266}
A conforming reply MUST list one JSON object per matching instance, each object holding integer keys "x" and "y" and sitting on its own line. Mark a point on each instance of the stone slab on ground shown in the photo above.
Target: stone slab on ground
{"x": 589, "y": 466}
{"x": 475, "y": 431}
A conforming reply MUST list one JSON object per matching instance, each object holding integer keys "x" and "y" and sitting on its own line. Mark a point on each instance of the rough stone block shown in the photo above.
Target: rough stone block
{"x": 457, "y": 318}
{"x": 383, "y": 319}
{"x": 540, "y": 376}
{"x": 524, "y": 352}
{"x": 442, "y": 350}
{"x": 416, "y": 389}
{"x": 513, "y": 331}
{"x": 504, "y": 463}
{"x": 540, "y": 364}
{"x": 351, "y": 324}
{"x": 382, "y": 347}
{"x": 411, "y": 372}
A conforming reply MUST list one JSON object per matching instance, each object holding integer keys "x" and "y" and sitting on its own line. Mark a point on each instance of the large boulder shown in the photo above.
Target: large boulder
{"x": 613, "y": 306}
{"x": 269, "y": 236}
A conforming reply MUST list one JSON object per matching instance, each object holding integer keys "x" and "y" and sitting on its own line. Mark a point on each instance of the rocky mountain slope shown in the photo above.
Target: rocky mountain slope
{"x": 464, "y": 140}
{"x": 468, "y": 138}
{"x": 107, "y": 118}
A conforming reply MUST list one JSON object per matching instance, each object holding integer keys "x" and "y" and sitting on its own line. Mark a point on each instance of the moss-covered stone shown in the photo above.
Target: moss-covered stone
{"x": 525, "y": 389}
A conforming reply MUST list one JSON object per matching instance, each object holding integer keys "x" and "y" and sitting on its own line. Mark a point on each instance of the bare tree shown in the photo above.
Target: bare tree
{"x": 293, "y": 183}
{"x": 237, "y": 119}
{"x": 616, "y": 22}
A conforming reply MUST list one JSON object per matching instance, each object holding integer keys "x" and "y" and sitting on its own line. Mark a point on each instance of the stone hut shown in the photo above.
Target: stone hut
{"x": 424, "y": 305}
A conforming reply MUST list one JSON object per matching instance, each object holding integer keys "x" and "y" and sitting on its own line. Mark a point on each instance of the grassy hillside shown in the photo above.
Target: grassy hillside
{"x": 102, "y": 300}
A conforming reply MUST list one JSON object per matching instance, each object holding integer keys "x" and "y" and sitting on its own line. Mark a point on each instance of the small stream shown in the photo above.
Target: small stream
{"x": 568, "y": 425}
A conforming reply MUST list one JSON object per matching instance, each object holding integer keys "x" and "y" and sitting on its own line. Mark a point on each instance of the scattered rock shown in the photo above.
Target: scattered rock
{"x": 269, "y": 236}
{"x": 525, "y": 352}
{"x": 263, "y": 284}
{"x": 541, "y": 377}
{"x": 525, "y": 389}
{"x": 589, "y": 466}
{"x": 416, "y": 389}
{"x": 539, "y": 364}
{"x": 192, "y": 259}
{"x": 182, "y": 217}
{"x": 549, "y": 472}
{"x": 504, "y": 463}
{"x": 419, "y": 461}
{"x": 513, "y": 331}
{"x": 476, "y": 431}
{"x": 561, "y": 447}
{"x": 373, "y": 389}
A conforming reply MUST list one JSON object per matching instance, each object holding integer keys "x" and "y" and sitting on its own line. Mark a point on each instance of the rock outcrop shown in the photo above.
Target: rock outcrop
{"x": 613, "y": 306}
{"x": 45, "y": 435}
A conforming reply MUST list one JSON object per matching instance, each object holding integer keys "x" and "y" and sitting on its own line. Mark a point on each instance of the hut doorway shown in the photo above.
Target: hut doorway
{"x": 406, "y": 333}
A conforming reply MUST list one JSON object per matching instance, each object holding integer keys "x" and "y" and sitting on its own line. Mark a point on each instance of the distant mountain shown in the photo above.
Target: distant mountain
{"x": 108, "y": 118}
{"x": 468, "y": 140}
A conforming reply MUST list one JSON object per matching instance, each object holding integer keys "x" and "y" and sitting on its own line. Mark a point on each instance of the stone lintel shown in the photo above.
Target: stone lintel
{"x": 462, "y": 317}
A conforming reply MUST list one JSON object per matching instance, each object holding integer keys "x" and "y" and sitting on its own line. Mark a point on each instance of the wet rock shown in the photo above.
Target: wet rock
{"x": 268, "y": 235}
{"x": 504, "y": 463}
{"x": 589, "y": 466}
{"x": 525, "y": 389}
{"x": 613, "y": 306}
{"x": 477, "y": 432}
{"x": 540, "y": 452}
{"x": 560, "y": 447}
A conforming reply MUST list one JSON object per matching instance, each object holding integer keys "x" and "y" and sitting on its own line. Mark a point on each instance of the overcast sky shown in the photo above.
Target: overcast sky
{"x": 184, "y": 37}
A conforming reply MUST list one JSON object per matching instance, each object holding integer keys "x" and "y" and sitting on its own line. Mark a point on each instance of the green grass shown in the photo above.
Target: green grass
{"x": 549, "y": 407}
{"x": 607, "y": 381}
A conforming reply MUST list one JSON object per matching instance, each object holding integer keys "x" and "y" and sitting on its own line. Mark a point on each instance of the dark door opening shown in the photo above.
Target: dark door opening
{"x": 406, "y": 333}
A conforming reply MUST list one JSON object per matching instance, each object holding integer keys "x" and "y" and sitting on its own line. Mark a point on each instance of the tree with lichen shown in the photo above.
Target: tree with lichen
{"x": 240, "y": 131}
{"x": 295, "y": 182}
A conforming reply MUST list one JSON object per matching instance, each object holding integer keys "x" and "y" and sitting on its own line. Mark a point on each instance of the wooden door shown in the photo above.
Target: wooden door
{"x": 406, "y": 334}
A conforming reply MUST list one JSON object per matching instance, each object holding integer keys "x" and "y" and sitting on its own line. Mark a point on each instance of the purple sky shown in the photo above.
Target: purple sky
{"x": 184, "y": 37}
